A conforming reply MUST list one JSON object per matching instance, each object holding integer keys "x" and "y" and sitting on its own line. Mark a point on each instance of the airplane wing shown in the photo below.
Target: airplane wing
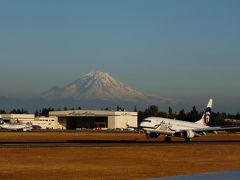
{"x": 211, "y": 129}
{"x": 133, "y": 127}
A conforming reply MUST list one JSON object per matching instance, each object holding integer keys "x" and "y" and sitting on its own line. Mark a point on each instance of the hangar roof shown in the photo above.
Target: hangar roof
{"x": 91, "y": 113}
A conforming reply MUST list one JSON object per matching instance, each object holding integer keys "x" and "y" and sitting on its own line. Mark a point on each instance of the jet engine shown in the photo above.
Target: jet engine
{"x": 188, "y": 134}
{"x": 152, "y": 135}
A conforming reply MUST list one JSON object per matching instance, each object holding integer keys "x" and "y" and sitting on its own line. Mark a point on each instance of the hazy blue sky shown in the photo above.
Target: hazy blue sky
{"x": 188, "y": 49}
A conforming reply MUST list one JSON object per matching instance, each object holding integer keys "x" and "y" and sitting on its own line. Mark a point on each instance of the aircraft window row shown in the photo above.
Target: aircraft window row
{"x": 146, "y": 120}
{"x": 46, "y": 120}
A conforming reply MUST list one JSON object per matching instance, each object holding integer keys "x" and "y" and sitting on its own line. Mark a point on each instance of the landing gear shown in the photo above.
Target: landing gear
{"x": 167, "y": 139}
{"x": 187, "y": 139}
{"x": 147, "y": 135}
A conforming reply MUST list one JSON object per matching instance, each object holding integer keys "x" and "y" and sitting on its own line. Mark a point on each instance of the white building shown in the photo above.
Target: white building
{"x": 47, "y": 122}
{"x": 89, "y": 119}
{"x": 43, "y": 122}
{"x": 17, "y": 118}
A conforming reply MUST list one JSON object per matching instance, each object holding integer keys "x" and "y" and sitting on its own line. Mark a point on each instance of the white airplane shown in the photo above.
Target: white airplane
{"x": 154, "y": 126}
{"x": 15, "y": 127}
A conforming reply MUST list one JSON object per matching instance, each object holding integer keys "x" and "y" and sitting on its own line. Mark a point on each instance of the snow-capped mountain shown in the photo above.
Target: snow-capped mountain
{"x": 101, "y": 86}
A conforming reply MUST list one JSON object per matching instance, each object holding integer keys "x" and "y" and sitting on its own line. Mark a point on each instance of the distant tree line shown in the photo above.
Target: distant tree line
{"x": 45, "y": 111}
{"x": 38, "y": 112}
{"x": 14, "y": 111}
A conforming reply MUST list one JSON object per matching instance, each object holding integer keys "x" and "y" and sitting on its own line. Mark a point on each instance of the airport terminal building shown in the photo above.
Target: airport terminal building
{"x": 90, "y": 119}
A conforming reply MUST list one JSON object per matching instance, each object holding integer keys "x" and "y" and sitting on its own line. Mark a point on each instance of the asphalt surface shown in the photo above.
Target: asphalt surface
{"x": 109, "y": 143}
{"x": 226, "y": 175}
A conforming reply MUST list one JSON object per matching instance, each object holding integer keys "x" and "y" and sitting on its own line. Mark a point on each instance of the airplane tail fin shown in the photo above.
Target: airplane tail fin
{"x": 206, "y": 115}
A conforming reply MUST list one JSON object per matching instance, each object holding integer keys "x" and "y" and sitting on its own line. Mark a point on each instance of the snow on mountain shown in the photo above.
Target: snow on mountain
{"x": 100, "y": 86}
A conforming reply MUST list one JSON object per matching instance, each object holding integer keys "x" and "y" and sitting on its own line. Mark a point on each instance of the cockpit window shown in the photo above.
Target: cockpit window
{"x": 146, "y": 120}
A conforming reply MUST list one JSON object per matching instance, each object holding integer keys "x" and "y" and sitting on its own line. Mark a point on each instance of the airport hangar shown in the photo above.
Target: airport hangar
{"x": 90, "y": 119}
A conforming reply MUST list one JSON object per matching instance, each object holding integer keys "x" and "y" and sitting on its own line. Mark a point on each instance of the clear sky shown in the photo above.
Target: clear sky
{"x": 188, "y": 49}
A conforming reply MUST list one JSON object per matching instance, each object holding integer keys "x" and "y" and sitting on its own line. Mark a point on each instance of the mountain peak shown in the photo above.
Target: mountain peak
{"x": 99, "y": 85}
{"x": 97, "y": 74}
{"x": 98, "y": 78}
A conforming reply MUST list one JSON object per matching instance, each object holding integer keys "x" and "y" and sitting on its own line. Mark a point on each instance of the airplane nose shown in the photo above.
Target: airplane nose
{"x": 142, "y": 124}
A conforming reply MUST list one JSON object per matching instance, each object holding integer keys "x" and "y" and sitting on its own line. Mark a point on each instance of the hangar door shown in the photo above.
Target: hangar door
{"x": 87, "y": 122}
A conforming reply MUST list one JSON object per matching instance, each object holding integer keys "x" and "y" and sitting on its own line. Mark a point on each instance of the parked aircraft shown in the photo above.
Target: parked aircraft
{"x": 15, "y": 127}
{"x": 154, "y": 126}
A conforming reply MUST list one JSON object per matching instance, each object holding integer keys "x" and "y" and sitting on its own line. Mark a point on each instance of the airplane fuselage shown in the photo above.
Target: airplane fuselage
{"x": 167, "y": 126}
{"x": 15, "y": 127}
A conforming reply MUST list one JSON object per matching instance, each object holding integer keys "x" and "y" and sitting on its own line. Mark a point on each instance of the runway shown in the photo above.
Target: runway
{"x": 111, "y": 143}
